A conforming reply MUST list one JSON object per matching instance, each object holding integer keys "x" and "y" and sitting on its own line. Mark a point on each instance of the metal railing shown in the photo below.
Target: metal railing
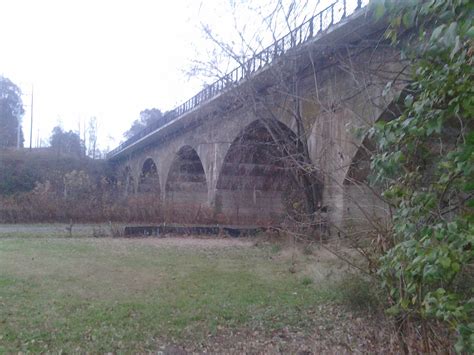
{"x": 316, "y": 25}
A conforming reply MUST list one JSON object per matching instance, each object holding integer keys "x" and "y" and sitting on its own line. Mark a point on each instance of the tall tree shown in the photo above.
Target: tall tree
{"x": 66, "y": 142}
{"x": 11, "y": 112}
{"x": 147, "y": 118}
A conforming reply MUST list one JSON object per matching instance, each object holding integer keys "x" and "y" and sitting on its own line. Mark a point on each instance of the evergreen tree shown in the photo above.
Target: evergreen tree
{"x": 11, "y": 112}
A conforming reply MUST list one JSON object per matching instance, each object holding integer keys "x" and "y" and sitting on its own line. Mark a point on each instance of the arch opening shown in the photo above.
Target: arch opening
{"x": 186, "y": 183}
{"x": 260, "y": 179}
{"x": 362, "y": 205}
{"x": 149, "y": 179}
{"x": 359, "y": 168}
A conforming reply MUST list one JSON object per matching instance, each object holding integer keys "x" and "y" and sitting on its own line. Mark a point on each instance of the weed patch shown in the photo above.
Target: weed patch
{"x": 359, "y": 293}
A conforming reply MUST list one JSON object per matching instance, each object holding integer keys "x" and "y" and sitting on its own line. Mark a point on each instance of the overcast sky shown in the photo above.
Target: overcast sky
{"x": 105, "y": 58}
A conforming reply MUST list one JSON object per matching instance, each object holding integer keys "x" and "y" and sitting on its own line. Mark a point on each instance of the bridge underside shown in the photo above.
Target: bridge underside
{"x": 256, "y": 177}
{"x": 186, "y": 184}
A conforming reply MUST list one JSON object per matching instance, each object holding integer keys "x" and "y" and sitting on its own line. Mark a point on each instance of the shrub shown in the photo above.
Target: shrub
{"x": 426, "y": 167}
{"x": 359, "y": 293}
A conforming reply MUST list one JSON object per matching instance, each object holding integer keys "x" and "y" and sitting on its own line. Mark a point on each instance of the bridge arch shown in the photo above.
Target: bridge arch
{"x": 149, "y": 180}
{"x": 257, "y": 177}
{"x": 186, "y": 183}
{"x": 359, "y": 168}
{"x": 362, "y": 203}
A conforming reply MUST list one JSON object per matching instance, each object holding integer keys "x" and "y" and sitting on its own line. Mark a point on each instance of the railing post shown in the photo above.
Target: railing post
{"x": 344, "y": 8}
{"x": 359, "y": 4}
{"x": 311, "y": 27}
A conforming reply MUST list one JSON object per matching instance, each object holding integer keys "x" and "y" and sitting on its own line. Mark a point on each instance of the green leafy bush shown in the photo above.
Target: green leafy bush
{"x": 426, "y": 165}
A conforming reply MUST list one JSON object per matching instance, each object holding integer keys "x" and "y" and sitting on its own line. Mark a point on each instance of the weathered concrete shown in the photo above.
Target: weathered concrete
{"x": 220, "y": 155}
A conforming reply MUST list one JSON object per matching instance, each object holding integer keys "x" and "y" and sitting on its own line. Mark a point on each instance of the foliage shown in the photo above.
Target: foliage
{"x": 11, "y": 111}
{"x": 16, "y": 176}
{"x": 40, "y": 186}
{"x": 22, "y": 169}
{"x": 66, "y": 142}
{"x": 147, "y": 118}
{"x": 77, "y": 184}
{"x": 426, "y": 163}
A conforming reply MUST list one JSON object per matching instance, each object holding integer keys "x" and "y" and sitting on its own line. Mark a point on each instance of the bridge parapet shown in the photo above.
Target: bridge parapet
{"x": 309, "y": 30}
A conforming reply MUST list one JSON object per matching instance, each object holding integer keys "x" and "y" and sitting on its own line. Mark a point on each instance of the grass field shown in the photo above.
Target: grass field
{"x": 170, "y": 295}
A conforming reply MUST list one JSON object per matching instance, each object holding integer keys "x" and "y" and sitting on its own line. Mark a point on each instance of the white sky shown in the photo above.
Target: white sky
{"x": 105, "y": 58}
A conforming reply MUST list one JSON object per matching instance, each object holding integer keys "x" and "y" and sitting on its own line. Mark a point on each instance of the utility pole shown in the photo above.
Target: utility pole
{"x": 31, "y": 122}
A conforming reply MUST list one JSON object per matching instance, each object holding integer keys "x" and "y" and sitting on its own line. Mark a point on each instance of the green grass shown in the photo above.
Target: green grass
{"x": 98, "y": 295}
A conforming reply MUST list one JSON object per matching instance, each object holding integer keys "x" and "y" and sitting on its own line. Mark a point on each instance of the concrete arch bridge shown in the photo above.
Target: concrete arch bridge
{"x": 306, "y": 102}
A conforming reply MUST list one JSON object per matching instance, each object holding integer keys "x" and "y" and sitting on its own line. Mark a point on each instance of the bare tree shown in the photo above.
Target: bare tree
{"x": 92, "y": 132}
{"x": 281, "y": 16}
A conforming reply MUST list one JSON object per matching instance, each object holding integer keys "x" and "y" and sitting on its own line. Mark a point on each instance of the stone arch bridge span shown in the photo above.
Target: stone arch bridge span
{"x": 222, "y": 149}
